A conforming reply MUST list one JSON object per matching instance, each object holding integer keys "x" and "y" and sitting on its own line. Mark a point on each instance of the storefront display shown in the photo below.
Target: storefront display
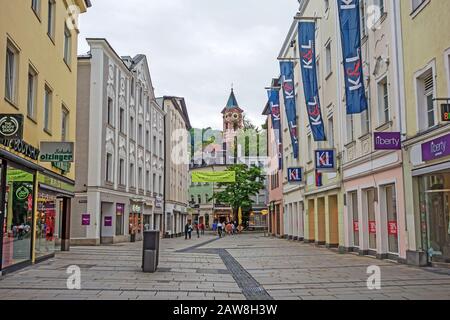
{"x": 120, "y": 212}
{"x": 18, "y": 218}
{"x": 46, "y": 224}
{"x": 435, "y": 215}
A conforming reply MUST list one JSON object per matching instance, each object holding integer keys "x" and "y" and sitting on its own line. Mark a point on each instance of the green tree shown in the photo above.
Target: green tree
{"x": 249, "y": 182}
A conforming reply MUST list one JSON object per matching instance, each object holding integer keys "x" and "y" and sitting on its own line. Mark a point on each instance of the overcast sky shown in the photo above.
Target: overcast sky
{"x": 198, "y": 48}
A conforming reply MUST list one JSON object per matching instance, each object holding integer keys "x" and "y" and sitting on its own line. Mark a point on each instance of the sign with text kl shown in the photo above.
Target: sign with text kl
{"x": 325, "y": 160}
{"x": 288, "y": 85}
{"x": 307, "y": 35}
{"x": 295, "y": 174}
{"x": 350, "y": 22}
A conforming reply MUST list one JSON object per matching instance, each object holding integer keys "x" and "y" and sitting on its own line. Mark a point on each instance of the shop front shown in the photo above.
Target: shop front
{"x": 276, "y": 226}
{"x": 431, "y": 187}
{"x": 136, "y": 221}
{"x": 34, "y": 208}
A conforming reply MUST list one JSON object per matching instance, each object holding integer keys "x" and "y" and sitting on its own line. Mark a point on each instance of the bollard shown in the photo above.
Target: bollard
{"x": 150, "y": 254}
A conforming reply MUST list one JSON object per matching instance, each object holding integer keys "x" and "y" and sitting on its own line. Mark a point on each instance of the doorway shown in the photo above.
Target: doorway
{"x": 321, "y": 221}
{"x": 333, "y": 221}
{"x": 311, "y": 221}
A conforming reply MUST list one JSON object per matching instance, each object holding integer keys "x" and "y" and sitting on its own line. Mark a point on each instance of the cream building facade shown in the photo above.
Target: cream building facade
{"x": 177, "y": 180}
{"x": 426, "y": 54}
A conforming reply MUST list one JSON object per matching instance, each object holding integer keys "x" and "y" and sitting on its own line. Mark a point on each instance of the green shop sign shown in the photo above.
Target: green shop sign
{"x": 51, "y": 182}
{"x": 207, "y": 176}
{"x": 63, "y": 166}
{"x": 56, "y": 152}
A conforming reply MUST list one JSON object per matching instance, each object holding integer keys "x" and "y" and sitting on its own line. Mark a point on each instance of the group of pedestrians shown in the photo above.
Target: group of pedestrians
{"x": 188, "y": 229}
{"x": 225, "y": 228}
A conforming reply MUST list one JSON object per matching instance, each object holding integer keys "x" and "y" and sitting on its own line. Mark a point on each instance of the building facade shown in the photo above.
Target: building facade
{"x": 118, "y": 153}
{"x": 426, "y": 78}
{"x": 38, "y": 66}
{"x": 177, "y": 128}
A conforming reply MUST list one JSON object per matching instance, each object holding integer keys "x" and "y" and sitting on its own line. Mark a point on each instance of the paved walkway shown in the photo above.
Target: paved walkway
{"x": 233, "y": 268}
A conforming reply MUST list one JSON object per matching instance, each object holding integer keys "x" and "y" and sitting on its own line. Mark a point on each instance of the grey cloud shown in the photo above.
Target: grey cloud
{"x": 197, "y": 48}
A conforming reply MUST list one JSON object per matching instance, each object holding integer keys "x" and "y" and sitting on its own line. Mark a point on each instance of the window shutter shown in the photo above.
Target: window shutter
{"x": 429, "y": 83}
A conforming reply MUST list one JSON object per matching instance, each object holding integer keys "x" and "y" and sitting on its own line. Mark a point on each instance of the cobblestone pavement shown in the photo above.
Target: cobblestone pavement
{"x": 233, "y": 268}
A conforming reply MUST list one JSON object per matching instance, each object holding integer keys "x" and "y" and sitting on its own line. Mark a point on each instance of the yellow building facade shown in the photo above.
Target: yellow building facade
{"x": 426, "y": 55}
{"x": 38, "y": 67}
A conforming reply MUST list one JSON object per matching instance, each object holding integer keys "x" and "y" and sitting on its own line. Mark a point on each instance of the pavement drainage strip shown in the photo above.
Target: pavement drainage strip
{"x": 251, "y": 289}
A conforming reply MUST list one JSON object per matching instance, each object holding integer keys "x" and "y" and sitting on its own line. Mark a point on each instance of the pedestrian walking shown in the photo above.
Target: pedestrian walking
{"x": 202, "y": 228}
{"x": 197, "y": 228}
{"x": 229, "y": 229}
{"x": 186, "y": 231}
{"x": 219, "y": 229}
{"x": 190, "y": 231}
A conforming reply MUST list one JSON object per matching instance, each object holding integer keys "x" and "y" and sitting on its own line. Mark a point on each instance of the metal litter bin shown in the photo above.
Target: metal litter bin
{"x": 150, "y": 254}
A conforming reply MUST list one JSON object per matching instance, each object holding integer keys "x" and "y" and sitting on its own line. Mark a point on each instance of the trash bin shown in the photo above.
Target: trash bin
{"x": 150, "y": 254}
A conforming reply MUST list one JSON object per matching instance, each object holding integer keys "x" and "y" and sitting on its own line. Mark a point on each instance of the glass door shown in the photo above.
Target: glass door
{"x": 18, "y": 219}
{"x": 355, "y": 218}
{"x": 371, "y": 218}
{"x": 392, "y": 220}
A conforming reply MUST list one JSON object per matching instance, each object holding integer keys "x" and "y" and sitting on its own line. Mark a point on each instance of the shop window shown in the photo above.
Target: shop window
{"x": 370, "y": 197}
{"x": 435, "y": 215}
{"x": 18, "y": 219}
{"x": 45, "y": 225}
{"x": 120, "y": 211}
{"x": 392, "y": 220}
{"x": 355, "y": 218}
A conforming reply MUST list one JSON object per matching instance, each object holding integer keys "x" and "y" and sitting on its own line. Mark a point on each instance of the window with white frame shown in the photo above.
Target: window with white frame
{"x": 154, "y": 183}
{"x": 328, "y": 67}
{"x": 383, "y": 102}
{"x": 160, "y": 185}
{"x": 36, "y": 6}
{"x": 415, "y": 4}
{"x": 51, "y": 19}
{"x": 109, "y": 166}
{"x": 110, "y": 112}
{"x": 365, "y": 119}
{"x": 11, "y": 70}
{"x": 121, "y": 120}
{"x": 64, "y": 123}
{"x": 426, "y": 103}
{"x": 327, "y": 5}
{"x": 132, "y": 133}
{"x": 31, "y": 93}
{"x": 310, "y": 148}
{"x": 350, "y": 128}
{"x": 122, "y": 172}
{"x": 48, "y": 97}
{"x": 140, "y": 179}
{"x": 131, "y": 176}
{"x": 67, "y": 45}
{"x": 362, "y": 8}
{"x": 140, "y": 134}
{"x": 330, "y": 134}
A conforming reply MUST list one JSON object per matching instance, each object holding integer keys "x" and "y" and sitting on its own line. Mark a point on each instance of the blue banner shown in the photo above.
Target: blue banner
{"x": 274, "y": 102}
{"x": 288, "y": 85}
{"x": 325, "y": 160}
{"x": 351, "y": 47}
{"x": 295, "y": 175}
{"x": 306, "y": 35}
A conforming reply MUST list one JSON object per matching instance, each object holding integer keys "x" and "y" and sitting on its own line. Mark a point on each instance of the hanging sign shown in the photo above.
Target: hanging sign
{"x": 295, "y": 174}
{"x": 351, "y": 47}
{"x": 306, "y": 32}
{"x": 211, "y": 177}
{"x": 387, "y": 141}
{"x": 437, "y": 148}
{"x": 274, "y": 101}
{"x": 56, "y": 152}
{"x": 287, "y": 83}
{"x": 325, "y": 160}
{"x": 11, "y": 126}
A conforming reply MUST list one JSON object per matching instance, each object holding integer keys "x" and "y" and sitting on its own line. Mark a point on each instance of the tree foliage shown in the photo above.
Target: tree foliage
{"x": 249, "y": 182}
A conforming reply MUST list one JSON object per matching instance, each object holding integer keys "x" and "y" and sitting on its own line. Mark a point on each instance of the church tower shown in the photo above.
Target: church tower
{"x": 233, "y": 121}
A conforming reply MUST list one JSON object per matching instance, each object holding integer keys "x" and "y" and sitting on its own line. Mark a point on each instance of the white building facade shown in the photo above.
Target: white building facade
{"x": 116, "y": 197}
